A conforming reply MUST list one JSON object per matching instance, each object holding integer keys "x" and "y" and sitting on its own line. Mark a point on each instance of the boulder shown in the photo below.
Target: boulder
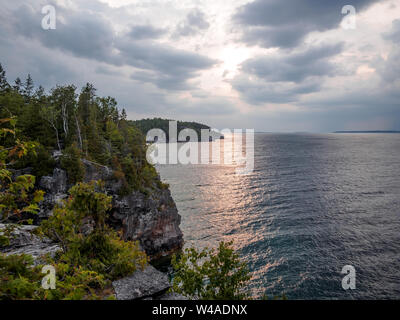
{"x": 55, "y": 188}
{"x": 23, "y": 241}
{"x": 141, "y": 284}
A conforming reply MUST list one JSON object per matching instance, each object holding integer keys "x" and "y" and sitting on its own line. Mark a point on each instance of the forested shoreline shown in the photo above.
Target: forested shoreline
{"x": 79, "y": 124}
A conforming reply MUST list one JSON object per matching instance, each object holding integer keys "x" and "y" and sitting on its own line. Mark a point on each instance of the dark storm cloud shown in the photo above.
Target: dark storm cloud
{"x": 277, "y": 23}
{"x": 294, "y": 67}
{"x": 195, "y": 22}
{"x": 284, "y": 77}
{"x": 141, "y": 32}
{"x": 166, "y": 67}
{"x": 258, "y": 92}
{"x": 89, "y": 35}
{"x": 82, "y": 33}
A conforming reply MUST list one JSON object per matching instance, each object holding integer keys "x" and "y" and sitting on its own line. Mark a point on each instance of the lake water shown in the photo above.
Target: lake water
{"x": 314, "y": 203}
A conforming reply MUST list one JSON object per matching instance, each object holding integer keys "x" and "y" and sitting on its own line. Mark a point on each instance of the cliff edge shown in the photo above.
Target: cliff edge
{"x": 151, "y": 218}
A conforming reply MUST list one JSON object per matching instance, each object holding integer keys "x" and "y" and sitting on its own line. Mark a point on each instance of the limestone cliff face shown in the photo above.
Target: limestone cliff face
{"x": 153, "y": 219}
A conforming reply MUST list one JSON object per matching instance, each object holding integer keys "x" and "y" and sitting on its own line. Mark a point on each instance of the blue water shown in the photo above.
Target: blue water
{"x": 314, "y": 203}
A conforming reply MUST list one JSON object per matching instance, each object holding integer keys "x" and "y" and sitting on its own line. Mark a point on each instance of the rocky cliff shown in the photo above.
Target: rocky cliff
{"x": 152, "y": 219}
{"x": 147, "y": 284}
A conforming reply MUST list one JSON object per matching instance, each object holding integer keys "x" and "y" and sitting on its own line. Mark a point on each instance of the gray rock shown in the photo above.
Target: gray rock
{"x": 141, "y": 284}
{"x": 23, "y": 241}
{"x": 55, "y": 184}
{"x": 95, "y": 171}
{"x": 56, "y": 189}
{"x": 152, "y": 220}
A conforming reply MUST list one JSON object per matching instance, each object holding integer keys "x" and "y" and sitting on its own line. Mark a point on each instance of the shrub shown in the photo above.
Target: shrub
{"x": 210, "y": 274}
{"x": 19, "y": 279}
{"x": 16, "y": 194}
{"x": 72, "y": 163}
{"x": 102, "y": 249}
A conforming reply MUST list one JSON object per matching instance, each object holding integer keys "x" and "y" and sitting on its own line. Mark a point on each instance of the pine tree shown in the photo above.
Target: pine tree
{"x": 123, "y": 115}
{"x": 17, "y": 85}
{"x": 39, "y": 93}
{"x": 3, "y": 80}
{"x": 28, "y": 87}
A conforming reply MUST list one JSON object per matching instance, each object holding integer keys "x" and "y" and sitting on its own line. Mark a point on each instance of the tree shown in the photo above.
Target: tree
{"x": 17, "y": 85}
{"x": 39, "y": 93}
{"x": 16, "y": 197}
{"x": 123, "y": 115}
{"x": 64, "y": 98}
{"x": 28, "y": 87}
{"x": 60, "y": 120}
{"x": 210, "y": 274}
{"x": 51, "y": 114}
{"x": 3, "y": 80}
{"x": 72, "y": 163}
{"x": 86, "y": 99}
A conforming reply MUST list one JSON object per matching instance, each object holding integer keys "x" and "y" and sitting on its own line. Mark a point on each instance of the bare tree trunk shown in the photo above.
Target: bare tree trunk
{"x": 65, "y": 118}
{"x": 58, "y": 140}
{"x": 79, "y": 131}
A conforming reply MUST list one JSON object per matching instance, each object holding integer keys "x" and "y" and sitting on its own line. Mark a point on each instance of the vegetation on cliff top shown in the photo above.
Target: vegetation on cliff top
{"x": 80, "y": 125}
{"x": 92, "y": 254}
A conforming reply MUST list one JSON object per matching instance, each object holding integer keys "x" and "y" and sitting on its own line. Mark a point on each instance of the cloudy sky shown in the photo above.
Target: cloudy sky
{"x": 271, "y": 65}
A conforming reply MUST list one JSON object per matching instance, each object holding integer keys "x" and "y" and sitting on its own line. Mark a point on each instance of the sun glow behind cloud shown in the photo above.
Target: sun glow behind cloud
{"x": 199, "y": 62}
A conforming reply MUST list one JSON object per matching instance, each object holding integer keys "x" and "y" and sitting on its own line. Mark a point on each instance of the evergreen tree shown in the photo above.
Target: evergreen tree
{"x": 39, "y": 93}
{"x": 3, "y": 80}
{"x": 17, "y": 85}
{"x": 123, "y": 115}
{"x": 28, "y": 87}
{"x": 86, "y": 98}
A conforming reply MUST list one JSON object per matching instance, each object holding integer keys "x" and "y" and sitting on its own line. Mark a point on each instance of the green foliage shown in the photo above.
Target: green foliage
{"x": 105, "y": 253}
{"x": 6, "y": 235}
{"x": 41, "y": 162}
{"x": 145, "y": 125}
{"x": 100, "y": 249}
{"x": 88, "y": 262}
{"x": 17, "y": 195}
{"x": 84, "y": 126}
{"x": 80, "y": 125}
{"x": 210, "y": 274}
{"x": 72, "y": 163}
{"x": 20, "y": 279}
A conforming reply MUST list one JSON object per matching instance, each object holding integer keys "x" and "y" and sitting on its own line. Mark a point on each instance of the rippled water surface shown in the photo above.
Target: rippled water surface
{"x": 313, "y": 204}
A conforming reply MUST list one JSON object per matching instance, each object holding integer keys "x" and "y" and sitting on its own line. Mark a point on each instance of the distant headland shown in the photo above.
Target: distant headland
{"x": 146, "y": 125}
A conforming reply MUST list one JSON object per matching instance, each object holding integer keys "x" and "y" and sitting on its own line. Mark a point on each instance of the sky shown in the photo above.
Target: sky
{"x": 268, "y": 65}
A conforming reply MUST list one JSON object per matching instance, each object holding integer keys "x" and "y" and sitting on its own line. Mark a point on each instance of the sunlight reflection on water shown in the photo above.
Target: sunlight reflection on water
{"x": 313, "y": 204}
